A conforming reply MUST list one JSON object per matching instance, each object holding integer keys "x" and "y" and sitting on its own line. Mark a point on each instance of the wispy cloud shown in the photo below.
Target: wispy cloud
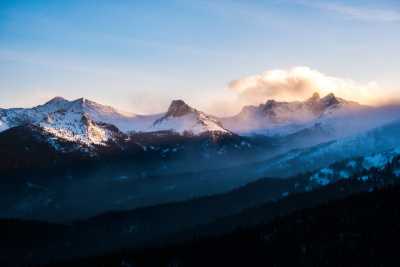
{"x": 356, "y": 12}
{"x": 74, "y": 64}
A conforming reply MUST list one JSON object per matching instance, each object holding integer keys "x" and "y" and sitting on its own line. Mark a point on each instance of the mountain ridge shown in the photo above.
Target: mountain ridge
{"x": 287, "y": 117}
{"x": 87, "y": 122}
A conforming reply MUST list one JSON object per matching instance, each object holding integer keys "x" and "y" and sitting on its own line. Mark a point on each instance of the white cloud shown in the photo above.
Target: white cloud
{"x": 299, "y": 83}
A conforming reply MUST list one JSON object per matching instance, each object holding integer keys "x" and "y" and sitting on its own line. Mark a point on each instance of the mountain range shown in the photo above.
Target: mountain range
{"x": 140, "y": 160}
{"x": 88, "y": 123}
{"x": 100, "y": 179}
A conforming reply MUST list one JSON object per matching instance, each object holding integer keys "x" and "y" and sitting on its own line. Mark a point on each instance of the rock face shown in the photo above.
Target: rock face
{"x": 179, "y": 108}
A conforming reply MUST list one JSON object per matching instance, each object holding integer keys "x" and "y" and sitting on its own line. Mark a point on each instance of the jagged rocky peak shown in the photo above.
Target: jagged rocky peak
{"x": 295, "y": 111}
{"x": 319, "y": 105}
{"x": 179, "y": 108}
{"x": 86, "y": 102}
{"x": 330, "y": 100}
{"x": 270, "y": 103}
{"x": 82, "y": 102}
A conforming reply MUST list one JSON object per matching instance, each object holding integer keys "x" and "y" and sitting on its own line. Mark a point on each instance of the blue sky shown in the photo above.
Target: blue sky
{"x": 139, "y": 55}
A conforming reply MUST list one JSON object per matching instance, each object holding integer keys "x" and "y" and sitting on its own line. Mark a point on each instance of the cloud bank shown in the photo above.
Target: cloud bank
{"x": 299, "y": 83}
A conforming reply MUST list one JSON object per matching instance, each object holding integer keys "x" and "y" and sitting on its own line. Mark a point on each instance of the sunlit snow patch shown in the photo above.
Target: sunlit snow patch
{"x": 376, "y": 161}
{"x": 344, "y": 174}
{"x": 320, "y": 180}
{"x": 3, "y": 126}
{"x": 352, "y": 164}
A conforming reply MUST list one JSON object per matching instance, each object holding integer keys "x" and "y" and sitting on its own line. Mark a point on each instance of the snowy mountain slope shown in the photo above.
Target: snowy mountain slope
{"x": 81, "y": 121}
{"x": 303, "y": 160}
{"x": 275, "y": 117}
{"x": 315, "y": 120}
{"x": 340, "y": 125}
{"x": 76, "y": 127}
{"x": 182, "y": 118}
{"x": 344, "y": 123}
{"x": 19, "y": 116}
{"x": 3, "y": 126}
{"x": 88, "y": 122}
{"x": 359, "y": 167}
{"x": 125, "y": 122}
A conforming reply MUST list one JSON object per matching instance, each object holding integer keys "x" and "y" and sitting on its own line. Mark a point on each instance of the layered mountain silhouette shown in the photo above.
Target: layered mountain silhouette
{"x": 114, "y": 176}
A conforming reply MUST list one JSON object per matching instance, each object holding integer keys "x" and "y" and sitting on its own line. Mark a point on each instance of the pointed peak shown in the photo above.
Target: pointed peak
{"x": 81, "y": 100}
{"x": 330, "y": 99}
{"x": 330, "y": 95}
{"x": 270, "y": 103}
{"x": 315, "y": 97}
{"x": 179, "y": 108}
{"x": 84, "y": 102}
{"x": 178, "y": 102}
{"x": 57, "y": 99}
{"x": 53, "y": 104}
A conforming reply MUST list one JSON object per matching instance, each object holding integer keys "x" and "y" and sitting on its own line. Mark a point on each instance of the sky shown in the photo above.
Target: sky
{"x": 215, "y": 55}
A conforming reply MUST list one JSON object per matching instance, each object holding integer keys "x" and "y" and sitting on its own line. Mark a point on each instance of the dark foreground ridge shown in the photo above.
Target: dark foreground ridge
{"x": 361, "y": 230}
{"x": 172, "y": 227}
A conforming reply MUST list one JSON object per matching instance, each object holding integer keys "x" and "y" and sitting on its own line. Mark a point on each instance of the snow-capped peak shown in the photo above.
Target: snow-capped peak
{"x": 82, "y": 121}
{"x": 182, "y": 118}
